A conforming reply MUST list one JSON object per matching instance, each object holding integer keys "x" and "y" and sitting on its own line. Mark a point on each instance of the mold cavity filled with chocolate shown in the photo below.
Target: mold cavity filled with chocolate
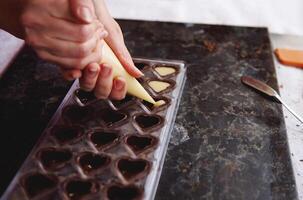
{"x": 124, "y": 192}
{"x": 161, "y": 86}
{"x": 146, "y": 121}
{"x": 104, "y": 139}
{"x": 52, "y": 158}
{"x": 111, "y": 117}
{"x": 141, "y": 66}
{"x": 123, "y": 102}
{"x": 133, "y": 168}
{"x": 90, "y": 162}
{"x": 77, "y": 114}
{"x": 166, "y": 71}
{"x": 77, "y": 189}
{"x": 38, "y": 183}
{"x": 139, "y": 144}
{"x": 65, "y": 134}
{"x": 84, "y": 96}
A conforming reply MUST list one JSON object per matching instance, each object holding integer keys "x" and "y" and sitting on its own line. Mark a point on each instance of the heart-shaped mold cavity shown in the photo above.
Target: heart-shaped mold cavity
{"x": 121, "y": 103}
{"x": 146, "y": 122}
{"x": 133, "y": 168}
{"x": 161, "y": 86}
{"x": 103, "y": 139}
{"x": 124, "y": 192}
{"x": 139, "y": 144}
{"x": 84, "y": 96}
{"x": 77, "y": 114}
{"x": 90, "y": 162}
{"x": 141, "y": 66}
{"x": 111, "y": 117}
{"x": 77, "y": 188}
{"x": 163, "y": 102}
{"x": 52, "y": 158}
{"x": 65, "y": 134}
{"x": 38, "y": 183}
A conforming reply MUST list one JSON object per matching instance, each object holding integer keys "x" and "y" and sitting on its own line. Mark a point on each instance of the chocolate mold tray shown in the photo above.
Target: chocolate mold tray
{"x": 102, "y": 149}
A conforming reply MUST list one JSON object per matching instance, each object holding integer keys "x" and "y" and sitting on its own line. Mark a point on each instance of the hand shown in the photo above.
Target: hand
{"x": 59, "y": 36}
{"x": 94, "y": 77}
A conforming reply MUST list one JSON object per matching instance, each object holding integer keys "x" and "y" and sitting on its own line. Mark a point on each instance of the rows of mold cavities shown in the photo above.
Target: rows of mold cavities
{"x": 128, "y": 169}
{"x": 158, "y": 74}
{"x": 103, "y": 166}
{"x": 100, "y": 160}
{"x": 153, "y": 74}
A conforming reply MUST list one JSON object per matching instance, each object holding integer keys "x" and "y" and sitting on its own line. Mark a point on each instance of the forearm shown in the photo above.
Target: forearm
{"x": 10, "y": 11}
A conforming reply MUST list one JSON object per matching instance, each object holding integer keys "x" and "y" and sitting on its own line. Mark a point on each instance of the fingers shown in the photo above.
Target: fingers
{"x": 119, "y": 89}
{"x": 83, "y": 10}
{"x": 65, "y": 30}
{"x": 90, "y": 76}
{"x": 128, "y": 63}
{"x": 71, "y": 74}
{"x": 116, "y": 42}
{"x": 72, "y": 63}
{"x": 71, "y": 49}
{"x": 104, "y": 82}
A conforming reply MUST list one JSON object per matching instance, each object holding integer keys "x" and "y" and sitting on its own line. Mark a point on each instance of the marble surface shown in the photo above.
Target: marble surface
{"x": 31, "y": 90}
{"x": 229, "y": 142}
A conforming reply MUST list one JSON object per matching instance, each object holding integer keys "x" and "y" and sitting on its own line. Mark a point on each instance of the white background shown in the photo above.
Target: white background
{"x": 280, "y": 16}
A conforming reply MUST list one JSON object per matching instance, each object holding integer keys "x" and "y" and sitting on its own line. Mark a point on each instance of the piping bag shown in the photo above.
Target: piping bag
{"x": 134, "y": 88}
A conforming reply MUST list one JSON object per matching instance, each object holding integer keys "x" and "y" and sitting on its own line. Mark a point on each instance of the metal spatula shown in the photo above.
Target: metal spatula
{"x": 262, "y": 87}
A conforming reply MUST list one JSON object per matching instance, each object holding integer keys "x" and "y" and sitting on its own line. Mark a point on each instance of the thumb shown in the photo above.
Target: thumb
{"x": 83, "y": 10}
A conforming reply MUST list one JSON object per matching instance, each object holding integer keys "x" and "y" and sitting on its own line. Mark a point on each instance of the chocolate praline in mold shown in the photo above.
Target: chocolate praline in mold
{"x": 148, "y": 122}
{"x": 36, "y": 184}
{"x": 159, "y": 86}
{"x": 84, "y": 97}
{"x": 52, "y": 158}
{"x": 132, "y": 169}
{"x": 65, "y": 134}
{"x": 104, "y": 139}
{"x": 91, "y": 162}
{"x": 77, "y": 114}
{"x": 139, "y": 144}
{"x": 166, "y": 71}
{"x": 76, "y": 188}
{"x": 124, "y": 192}
{"x": 151, "y": 107}
{"x": 124, "y": 102}
{"x": 111, "y": 117}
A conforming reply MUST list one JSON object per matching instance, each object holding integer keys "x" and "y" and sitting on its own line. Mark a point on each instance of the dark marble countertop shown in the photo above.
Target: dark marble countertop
{"x": 229, "y": 142}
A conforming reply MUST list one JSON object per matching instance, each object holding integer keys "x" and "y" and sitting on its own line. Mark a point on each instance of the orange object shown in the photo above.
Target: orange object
{"x": 290, "y": 57}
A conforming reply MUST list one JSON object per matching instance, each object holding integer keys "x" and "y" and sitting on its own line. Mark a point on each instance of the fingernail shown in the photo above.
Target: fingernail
{"x": 103, "y": 34}
{"x": 76, "y": 75}
{"x": 93, "y": 69}
{"x": 119, "y": 84}
{"x": 138, "y": 71}
{"x": 105, "y": 71}
{"x": 85, "y": 13}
